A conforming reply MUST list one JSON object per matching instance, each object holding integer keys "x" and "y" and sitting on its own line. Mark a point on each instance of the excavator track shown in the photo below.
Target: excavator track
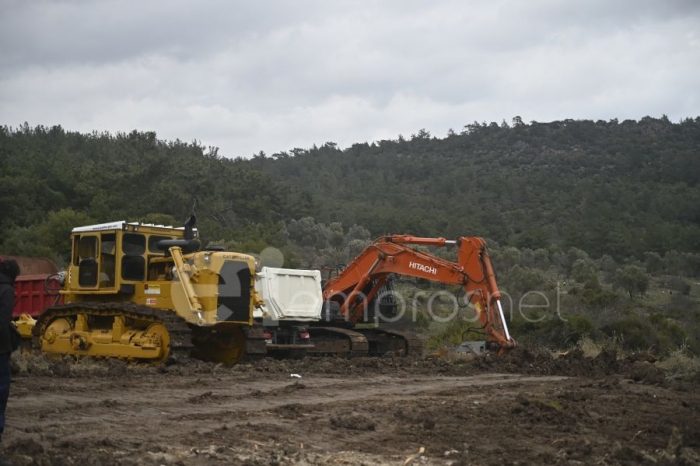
{"x": 178, "y": 331}
{"x": 415, "y": 344}
{"x": 383, "y": 342}
{"x": 338, "y": 341}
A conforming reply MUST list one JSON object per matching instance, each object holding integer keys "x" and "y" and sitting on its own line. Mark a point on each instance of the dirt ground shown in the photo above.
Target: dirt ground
{"x": 525, "y": 408}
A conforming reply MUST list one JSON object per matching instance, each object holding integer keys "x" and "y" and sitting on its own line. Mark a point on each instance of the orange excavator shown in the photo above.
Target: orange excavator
{"x": 359, "y": 286}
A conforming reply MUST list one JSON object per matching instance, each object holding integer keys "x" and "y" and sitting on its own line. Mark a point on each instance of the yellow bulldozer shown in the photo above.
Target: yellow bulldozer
{"x": 147, "y": 292}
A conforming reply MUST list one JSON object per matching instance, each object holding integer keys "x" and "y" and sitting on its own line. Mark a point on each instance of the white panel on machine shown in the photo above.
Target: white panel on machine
{"x": 290, "y": 294}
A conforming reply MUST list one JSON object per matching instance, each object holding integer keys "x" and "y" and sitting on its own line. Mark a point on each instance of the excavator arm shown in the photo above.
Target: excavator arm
{"x": 393, "y": 254}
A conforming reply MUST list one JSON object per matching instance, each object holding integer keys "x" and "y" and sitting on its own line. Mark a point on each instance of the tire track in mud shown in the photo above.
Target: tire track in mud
{"x": 74, "y": 412}
{"x": 72, "y": 399}
{"x": 257, "y": 417}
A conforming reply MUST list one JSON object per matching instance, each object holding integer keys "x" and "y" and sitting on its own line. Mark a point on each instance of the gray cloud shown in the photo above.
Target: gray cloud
{"x": 274, "y": 75}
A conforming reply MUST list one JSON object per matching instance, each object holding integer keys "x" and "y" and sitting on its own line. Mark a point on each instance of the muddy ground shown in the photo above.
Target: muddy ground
{"x": 526, "y": 408}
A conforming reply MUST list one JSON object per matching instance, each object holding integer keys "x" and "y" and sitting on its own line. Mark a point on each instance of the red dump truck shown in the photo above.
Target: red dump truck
{"x": 37, "y": 286}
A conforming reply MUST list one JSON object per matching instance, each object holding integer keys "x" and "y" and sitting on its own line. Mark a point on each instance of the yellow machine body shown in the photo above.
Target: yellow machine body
{"x": 136, "y": 291}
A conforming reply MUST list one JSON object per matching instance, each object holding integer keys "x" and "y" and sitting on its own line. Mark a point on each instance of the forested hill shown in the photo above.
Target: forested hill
{"x": 617, "y": 188}
{"x": 605, "y": 187}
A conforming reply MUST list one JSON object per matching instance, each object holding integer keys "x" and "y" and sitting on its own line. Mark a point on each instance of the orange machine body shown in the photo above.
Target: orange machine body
{"x": 393, "y": 254}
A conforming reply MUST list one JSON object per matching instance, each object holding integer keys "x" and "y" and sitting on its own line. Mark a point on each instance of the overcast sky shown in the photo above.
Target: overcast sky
{"x": 276, "y": 75}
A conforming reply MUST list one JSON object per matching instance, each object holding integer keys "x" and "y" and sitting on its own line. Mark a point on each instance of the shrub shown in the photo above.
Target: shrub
{"x": 590, "y": 348}
{"x": 632, "y": 332}
{"x": 670, "y": 334}
{"x": 681, "y": 366}
{"x": 578, "y": 326}
{"x": 540, "y": 328}
{"x": 599, "y": 298}
{"x": 680, "y": 285}
{"x": 455, "y": 333}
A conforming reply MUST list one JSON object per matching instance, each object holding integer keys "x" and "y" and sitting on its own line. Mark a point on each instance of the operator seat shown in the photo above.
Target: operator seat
{"x": 87, "y": 272}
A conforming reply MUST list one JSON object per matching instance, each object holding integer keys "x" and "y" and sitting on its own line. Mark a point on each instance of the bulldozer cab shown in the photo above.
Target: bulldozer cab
{"x": 161, "y": 268}
{"x": 111, "y": 258}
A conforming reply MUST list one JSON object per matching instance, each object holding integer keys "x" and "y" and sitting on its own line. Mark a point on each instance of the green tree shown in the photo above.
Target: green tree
{"x": 509, "y": 257}
{"x": 542, "y": 259}
{"x": 583, "y": 270}
{"x": 54, "y": 233}
{"x": 690, "y": 264}
{"x": 358, "y": 232}
{"x": 573, "y": 255}
{"x": 337, "y": 238}
{"x": 653, "y": 262}
{"x": 608, "y": 266}
{"x": 522, "y": 280}
{"x": 356, "y": 246}
{"x": 307, "y": 233}
{"x": 632, "y": 279}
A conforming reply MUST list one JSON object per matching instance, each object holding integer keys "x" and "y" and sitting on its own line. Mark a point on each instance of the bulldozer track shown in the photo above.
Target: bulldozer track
{"x": 177, "y": 327}
{"x": 255, "y": 346}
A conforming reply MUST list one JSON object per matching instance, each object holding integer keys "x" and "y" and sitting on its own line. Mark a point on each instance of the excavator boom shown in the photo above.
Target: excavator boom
{"x": 359, "y": 282}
